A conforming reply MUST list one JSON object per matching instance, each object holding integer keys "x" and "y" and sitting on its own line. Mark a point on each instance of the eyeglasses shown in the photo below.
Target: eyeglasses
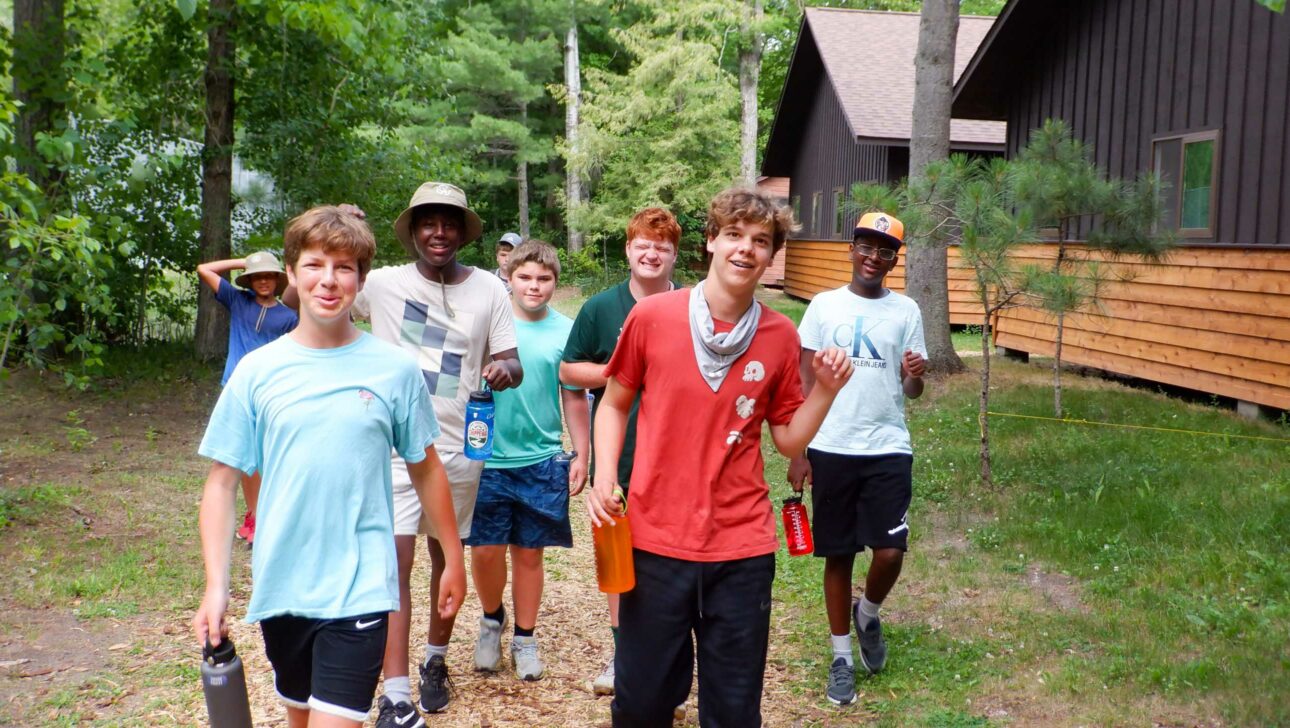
{"x": 868, "y": 250}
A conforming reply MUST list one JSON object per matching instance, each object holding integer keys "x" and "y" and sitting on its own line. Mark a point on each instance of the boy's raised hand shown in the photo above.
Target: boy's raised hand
{"x": 832, "y": 368}
{"x": 913, "y": 365}
{"x": 211, "y": 613}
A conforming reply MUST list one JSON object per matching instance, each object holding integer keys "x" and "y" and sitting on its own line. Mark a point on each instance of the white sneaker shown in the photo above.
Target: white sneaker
{"x": 604, "y": 683}
{"x": 524, "y": 653}
{"x": 488, "y": 650}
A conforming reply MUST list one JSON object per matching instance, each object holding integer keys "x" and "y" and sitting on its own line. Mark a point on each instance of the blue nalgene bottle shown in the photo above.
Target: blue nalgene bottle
{"x": 479, "y": 425}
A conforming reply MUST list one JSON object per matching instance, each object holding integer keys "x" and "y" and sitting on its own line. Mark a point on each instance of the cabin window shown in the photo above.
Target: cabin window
{"x": 816, "y": 200}
{"x": 839, "y": 197}
{"x": 1188, "y": 165}
{"x": 797, "y": 208}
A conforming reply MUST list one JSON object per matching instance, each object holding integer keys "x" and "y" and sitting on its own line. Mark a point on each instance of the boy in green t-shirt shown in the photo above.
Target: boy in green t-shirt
{"x": 652, "y": 239}
{"x": 523, "y": 500}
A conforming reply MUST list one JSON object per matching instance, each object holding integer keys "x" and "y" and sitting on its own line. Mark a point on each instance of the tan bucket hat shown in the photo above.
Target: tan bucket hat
{"x": 262, "y": 262}
{"x": 437, "y": 193}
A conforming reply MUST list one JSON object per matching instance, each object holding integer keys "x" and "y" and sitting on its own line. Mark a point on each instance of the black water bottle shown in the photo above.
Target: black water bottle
{"x": 224, "y": 683}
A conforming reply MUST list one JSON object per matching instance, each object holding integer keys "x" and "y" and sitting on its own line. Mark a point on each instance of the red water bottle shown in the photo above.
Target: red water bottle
{"x": 797, "y": 528}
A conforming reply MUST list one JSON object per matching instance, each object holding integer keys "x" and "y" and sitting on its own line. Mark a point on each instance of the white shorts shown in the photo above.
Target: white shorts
{"x": 463, "y": 481}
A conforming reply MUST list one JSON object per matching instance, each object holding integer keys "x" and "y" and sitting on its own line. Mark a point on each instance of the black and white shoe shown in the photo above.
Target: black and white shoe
{"x": 397, "y": 715}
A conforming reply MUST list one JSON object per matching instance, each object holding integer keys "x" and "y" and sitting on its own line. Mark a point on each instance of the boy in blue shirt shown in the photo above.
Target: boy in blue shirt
{"x": 256, "y": 317}
{"x": 318, "y": 412}
{"x": 523, "y": 501}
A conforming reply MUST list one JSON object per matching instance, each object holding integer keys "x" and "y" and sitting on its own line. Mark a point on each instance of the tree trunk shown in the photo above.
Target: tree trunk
{"x": 573, "y": 105}
{"x": 925, "y": 259}
{"x": 211, "y": 336}
{"x": 522, "y": 177}
{"x": 749, "y": 73}
{"x": 39, "y": 82}
{"x": 983, "y": 419}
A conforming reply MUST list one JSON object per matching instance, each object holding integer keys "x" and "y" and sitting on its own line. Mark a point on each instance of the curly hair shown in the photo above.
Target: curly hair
{"x": 741, "y": 204}
{"x": 655, "y": 223}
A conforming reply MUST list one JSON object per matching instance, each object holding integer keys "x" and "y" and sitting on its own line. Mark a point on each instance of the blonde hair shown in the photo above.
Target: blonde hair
{"x": 534, "y": 251}
{"x": 740, "y": 204}
{"x": 333, "y": 230}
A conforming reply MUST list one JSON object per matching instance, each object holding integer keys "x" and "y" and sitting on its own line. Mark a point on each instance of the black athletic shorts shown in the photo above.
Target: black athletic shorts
{"x": 859, "y": 501}
{"x": 328, "y": 665}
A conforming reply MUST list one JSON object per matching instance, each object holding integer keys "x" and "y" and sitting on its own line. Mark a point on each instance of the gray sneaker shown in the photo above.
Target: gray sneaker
{"x": 842, "y": 683}
{"x": 524, "y": 653}
{"x": 604, "y": 682}
{"x": 488, "y": 650}
{"x": 873, "y": 648}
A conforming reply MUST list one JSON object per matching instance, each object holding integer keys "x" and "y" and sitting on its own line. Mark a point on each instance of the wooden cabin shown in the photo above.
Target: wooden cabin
{"x": 845, "y": 116}
{"x": 1198, "y": 92}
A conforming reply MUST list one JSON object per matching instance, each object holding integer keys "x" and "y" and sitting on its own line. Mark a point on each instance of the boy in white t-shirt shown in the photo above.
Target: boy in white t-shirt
{"x": 860, "y": 463}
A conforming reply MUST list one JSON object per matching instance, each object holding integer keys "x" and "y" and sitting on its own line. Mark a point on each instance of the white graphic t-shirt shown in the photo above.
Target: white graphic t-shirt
{"x": 868, "y": 416}
{"x": 408, "y": 310}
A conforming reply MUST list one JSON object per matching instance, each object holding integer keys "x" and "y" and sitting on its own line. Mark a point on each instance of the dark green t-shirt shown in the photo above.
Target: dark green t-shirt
{"x": 593, "y": 338}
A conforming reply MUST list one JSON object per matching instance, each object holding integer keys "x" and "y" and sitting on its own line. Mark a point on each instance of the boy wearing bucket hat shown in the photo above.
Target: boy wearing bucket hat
{"x": 256, "y": 317}
{"x": 860, "y": 463}
{"x": 457, "y": 321}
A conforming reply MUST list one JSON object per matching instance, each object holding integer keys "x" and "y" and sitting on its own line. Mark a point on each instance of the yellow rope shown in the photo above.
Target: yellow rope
{"x": 1281, "y": 440}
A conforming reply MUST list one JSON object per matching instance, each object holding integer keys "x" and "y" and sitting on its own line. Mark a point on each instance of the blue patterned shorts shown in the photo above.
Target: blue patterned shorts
{"x": 526, "y": 507}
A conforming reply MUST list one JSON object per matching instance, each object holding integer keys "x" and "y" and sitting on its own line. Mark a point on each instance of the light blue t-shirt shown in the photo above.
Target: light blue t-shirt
{"x": 868, "y": 416}
{"x": 527, "y": 423}
{"x": 319, "y": 425}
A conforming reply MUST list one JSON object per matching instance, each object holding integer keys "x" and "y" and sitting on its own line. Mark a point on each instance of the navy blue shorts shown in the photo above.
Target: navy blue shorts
{"x": 526, "y": 507}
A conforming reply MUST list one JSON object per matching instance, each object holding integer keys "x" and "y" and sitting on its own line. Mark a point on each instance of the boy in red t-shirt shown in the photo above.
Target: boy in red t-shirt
{"x": 703, "y": 531}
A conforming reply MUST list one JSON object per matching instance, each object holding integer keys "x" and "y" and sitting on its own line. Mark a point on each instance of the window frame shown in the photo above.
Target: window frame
{"x": 817, "y": 200}
{"x": 1176, "y": 191}
{"x": 839, "y": 221}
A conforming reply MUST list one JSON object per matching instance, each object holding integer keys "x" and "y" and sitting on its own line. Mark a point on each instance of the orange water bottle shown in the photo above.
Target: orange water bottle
{"x": 615, "y": 572}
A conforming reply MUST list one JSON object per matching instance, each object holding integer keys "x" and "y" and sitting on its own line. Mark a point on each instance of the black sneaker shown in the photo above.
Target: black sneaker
{"x": 873, "y": 648}
{"x": 842, "y": 683}
{"x": 434, "y": 685}
{"x": 397, "y": 715}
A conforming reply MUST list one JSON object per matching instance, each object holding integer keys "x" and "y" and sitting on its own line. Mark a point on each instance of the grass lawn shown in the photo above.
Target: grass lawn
{"x": 1113, "y": 577}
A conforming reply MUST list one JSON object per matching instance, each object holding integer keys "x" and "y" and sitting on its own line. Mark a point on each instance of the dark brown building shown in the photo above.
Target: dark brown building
{"x": 1197, "y": 92}
{"x": 845, "y": 115}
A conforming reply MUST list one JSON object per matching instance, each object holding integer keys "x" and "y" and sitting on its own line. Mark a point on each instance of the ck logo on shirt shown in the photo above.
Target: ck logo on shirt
{"x": 855, "y": 338}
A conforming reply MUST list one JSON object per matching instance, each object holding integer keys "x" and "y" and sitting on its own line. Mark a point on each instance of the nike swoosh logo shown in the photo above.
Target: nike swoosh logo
{"x": 404, "y": 720}
{"x": 360, "y": 624}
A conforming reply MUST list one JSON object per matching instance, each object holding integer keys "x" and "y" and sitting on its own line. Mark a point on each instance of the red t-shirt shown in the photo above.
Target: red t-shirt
{"x": 698, "y": 488}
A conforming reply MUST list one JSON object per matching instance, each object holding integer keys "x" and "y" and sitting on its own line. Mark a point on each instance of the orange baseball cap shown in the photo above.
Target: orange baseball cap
{"x": 881, "y": 225}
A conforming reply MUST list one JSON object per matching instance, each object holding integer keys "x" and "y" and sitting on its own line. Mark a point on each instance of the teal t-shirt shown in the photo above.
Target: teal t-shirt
{"x": 318, "y": 424}
{"x": 527, "y": 423}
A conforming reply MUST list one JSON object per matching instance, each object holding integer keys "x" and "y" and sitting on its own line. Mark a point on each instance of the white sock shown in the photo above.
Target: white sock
{"x": 398, "y": 689}
{"x": 841, "y": 648}
{"x": 432, "y": 650}
{"x": 868, "y": 612}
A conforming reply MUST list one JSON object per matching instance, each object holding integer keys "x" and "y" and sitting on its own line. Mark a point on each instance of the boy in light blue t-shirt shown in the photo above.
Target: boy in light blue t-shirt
{"x": 523, "y": 501}
{"x": 317, "y": 413}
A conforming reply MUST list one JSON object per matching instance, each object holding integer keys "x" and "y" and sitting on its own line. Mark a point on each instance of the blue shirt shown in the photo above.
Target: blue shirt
{"x": 251, "y": 325}
{"x": 319, "y": 425}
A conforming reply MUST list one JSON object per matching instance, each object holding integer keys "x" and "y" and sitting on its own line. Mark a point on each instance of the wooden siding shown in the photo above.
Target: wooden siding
{"x": 830, "y": 157}
{"x": 1124, "y": 73}
{"x": 1215, "y": 319}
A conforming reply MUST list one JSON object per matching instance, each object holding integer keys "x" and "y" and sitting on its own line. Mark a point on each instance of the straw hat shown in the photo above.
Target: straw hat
{"x": 262, "y": 262}
{"x": 437, "y": 193}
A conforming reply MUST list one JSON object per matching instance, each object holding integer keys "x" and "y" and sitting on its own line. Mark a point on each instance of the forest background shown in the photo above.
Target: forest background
{"x": 117, "y": 143}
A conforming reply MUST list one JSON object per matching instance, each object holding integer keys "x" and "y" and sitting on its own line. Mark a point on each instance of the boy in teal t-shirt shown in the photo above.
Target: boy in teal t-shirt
{"x": 317, "y": 412}
{"x": 523, "y": 501}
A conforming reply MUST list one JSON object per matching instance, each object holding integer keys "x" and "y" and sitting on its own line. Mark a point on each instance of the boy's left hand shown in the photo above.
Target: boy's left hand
{"x": 452, "y": 589}
{"x": 498, "y": 375}
{"x": 913, "y": 365}
{"x": 577, "y": 475}
{"x": 832, "y": 368}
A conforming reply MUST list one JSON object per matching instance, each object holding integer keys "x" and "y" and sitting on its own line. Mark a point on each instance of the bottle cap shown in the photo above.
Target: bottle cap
{"x": 791, "y": 500}
{"x": 482, "y": 395}
{"x": 220, "y": 655}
